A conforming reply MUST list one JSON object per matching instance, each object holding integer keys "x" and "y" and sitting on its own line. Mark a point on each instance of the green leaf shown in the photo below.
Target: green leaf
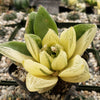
{"x": 16, "y": 51}
{"x": 43, "y": 22}
{"x": 30, "y": 23}
{"x": 80, "y": 29}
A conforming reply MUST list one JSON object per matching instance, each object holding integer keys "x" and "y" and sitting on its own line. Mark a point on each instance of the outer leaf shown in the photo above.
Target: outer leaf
{"x": 80, "y": 78}
{"x": 60, "y": 62}
{"x": 80, "y": 29}
{"x": 30, "y": 23}
{"x": 36, "y": 69}
{"x": 31, "y": 43}
{"x": 76, "y": 79}
{"x": 84, "y": 41}
{"x": 46, "y": 59}
{"x": 75, "y": 67}
{"x": 40, "y": 84}
{"x": 50, "y": 38}
{"x": 68, "y": 41}
{"x": 16, "y": 51}
{"x": 43, "y": 22}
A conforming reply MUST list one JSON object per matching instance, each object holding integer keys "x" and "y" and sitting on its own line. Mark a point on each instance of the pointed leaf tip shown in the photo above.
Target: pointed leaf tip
{"x": 68, "y": 41}
{"x": 32, "y": 45}
{"x": 43, "y": 22}
{"x": 14, "y": 51}
{"x": 80, "y": 29}
{"x": 51, "y": 38}
{"x": 84, "y": 41}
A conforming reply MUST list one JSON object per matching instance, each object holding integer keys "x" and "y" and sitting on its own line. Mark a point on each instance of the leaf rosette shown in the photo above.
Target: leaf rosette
{"x": 48, "y": 57}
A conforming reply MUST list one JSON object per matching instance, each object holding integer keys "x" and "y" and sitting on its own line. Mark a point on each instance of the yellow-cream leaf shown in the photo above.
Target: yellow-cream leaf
{"x": 40, "y": 84}
{"x": 14, "y": 54}
{"x": 80, "y": 78}
{"x": 32, "y": 46}
{"x": 68, "y": 41}
{"x": 75, "y": 67}
{"x": 36, "y": 69}
{"x": 84, "y": 41}
{"x": 60, "y": 62}
{"x": 50, "y": 38}
{"x": 46, "y": 59}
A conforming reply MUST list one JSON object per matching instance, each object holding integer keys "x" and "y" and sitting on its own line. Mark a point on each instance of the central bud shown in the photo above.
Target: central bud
{"x": 53, "y": 50}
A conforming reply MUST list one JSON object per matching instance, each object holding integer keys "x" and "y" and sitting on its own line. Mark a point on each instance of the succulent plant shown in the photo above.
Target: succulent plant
{"x": 47, "y": 57}
{"x": 73, "y": 16}
{"x": 11, "y": 15}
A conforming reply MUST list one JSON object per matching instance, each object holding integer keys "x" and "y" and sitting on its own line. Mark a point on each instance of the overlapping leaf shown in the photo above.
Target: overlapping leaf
{"x": 75, "y": 67}
{"x": 68, "y": 41}
{"x": 16, "y": 51}
{"x": 85, "y": 39}
{"x": 46, "y": 59}
{"x": 80, "y": 29}
{"x": 40, "y": 84}
{"x": 43, "y": 22}
{"x": 50, "y": 38}
{"x": 60, "y": 62}
{"x": 31, "y": 43}
{"x": 36, "y": 69}
{"x": 29, "y": 27}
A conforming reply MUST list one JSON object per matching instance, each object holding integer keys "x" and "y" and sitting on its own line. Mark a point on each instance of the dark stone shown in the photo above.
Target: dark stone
{"x": 89, "y": 10}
